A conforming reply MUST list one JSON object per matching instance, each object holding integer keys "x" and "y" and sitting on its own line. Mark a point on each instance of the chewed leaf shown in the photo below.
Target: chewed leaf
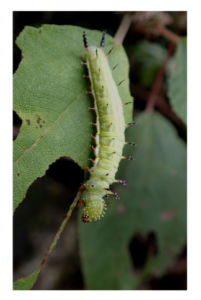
{"x": 50, "y": 98}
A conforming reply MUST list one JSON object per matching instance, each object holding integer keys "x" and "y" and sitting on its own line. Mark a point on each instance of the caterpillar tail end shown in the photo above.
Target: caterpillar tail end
{"x": 90, "y": 214}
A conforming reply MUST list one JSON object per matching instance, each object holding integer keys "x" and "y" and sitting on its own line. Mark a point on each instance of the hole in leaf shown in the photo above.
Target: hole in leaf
{"x": 142, "y": 246}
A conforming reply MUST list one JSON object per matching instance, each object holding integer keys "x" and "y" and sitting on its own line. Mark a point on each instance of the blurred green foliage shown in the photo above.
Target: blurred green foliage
{"x": 149, "y": 58}
{"x": 177, "y": 80}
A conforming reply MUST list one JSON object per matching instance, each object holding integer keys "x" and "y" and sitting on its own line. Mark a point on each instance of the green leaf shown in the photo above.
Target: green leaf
{"x": 177, "y": 81}
{"x": 150, "y": 57}
{"x": 154, "y": 201}
{"x": 27, "y": 282}
{"x": 50, "y": 98}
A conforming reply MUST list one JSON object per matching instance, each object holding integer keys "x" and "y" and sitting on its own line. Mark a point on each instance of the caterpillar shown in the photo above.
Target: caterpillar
{"x": 110, "y": 137}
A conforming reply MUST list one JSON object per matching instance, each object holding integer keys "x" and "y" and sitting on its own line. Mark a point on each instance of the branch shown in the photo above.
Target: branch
{"x": 123, "y": 29}
{"x": 169, "y": 35}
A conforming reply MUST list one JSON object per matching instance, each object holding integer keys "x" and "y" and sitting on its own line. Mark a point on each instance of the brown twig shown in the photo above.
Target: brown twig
{"x": 161, "y": 103}
{"x": 169, "y": 35}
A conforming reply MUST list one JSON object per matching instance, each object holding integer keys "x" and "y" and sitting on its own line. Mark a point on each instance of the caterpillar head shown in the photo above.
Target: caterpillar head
{"x": 92, "y": 53}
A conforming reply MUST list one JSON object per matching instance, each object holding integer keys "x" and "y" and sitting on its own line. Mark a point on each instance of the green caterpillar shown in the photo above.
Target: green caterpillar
{"x": 110, "y": 137}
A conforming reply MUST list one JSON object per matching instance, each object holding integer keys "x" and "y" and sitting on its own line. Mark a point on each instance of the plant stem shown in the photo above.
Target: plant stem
{"x": 169, "y": 35}
{"x": 123, "y": 29}
{"x": 54, "y": 242}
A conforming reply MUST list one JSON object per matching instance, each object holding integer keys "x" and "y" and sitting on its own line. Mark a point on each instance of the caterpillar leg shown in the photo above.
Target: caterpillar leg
{"x": 81, "y": 203}
{"x": 81, "y": 188}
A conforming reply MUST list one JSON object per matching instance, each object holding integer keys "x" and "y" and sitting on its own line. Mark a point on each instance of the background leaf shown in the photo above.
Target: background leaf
{"x": 177, "y": 80}
{"x": 49, "y": 97}
{"x": 149, "y": 56}
{"x": 154, "y": 201}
